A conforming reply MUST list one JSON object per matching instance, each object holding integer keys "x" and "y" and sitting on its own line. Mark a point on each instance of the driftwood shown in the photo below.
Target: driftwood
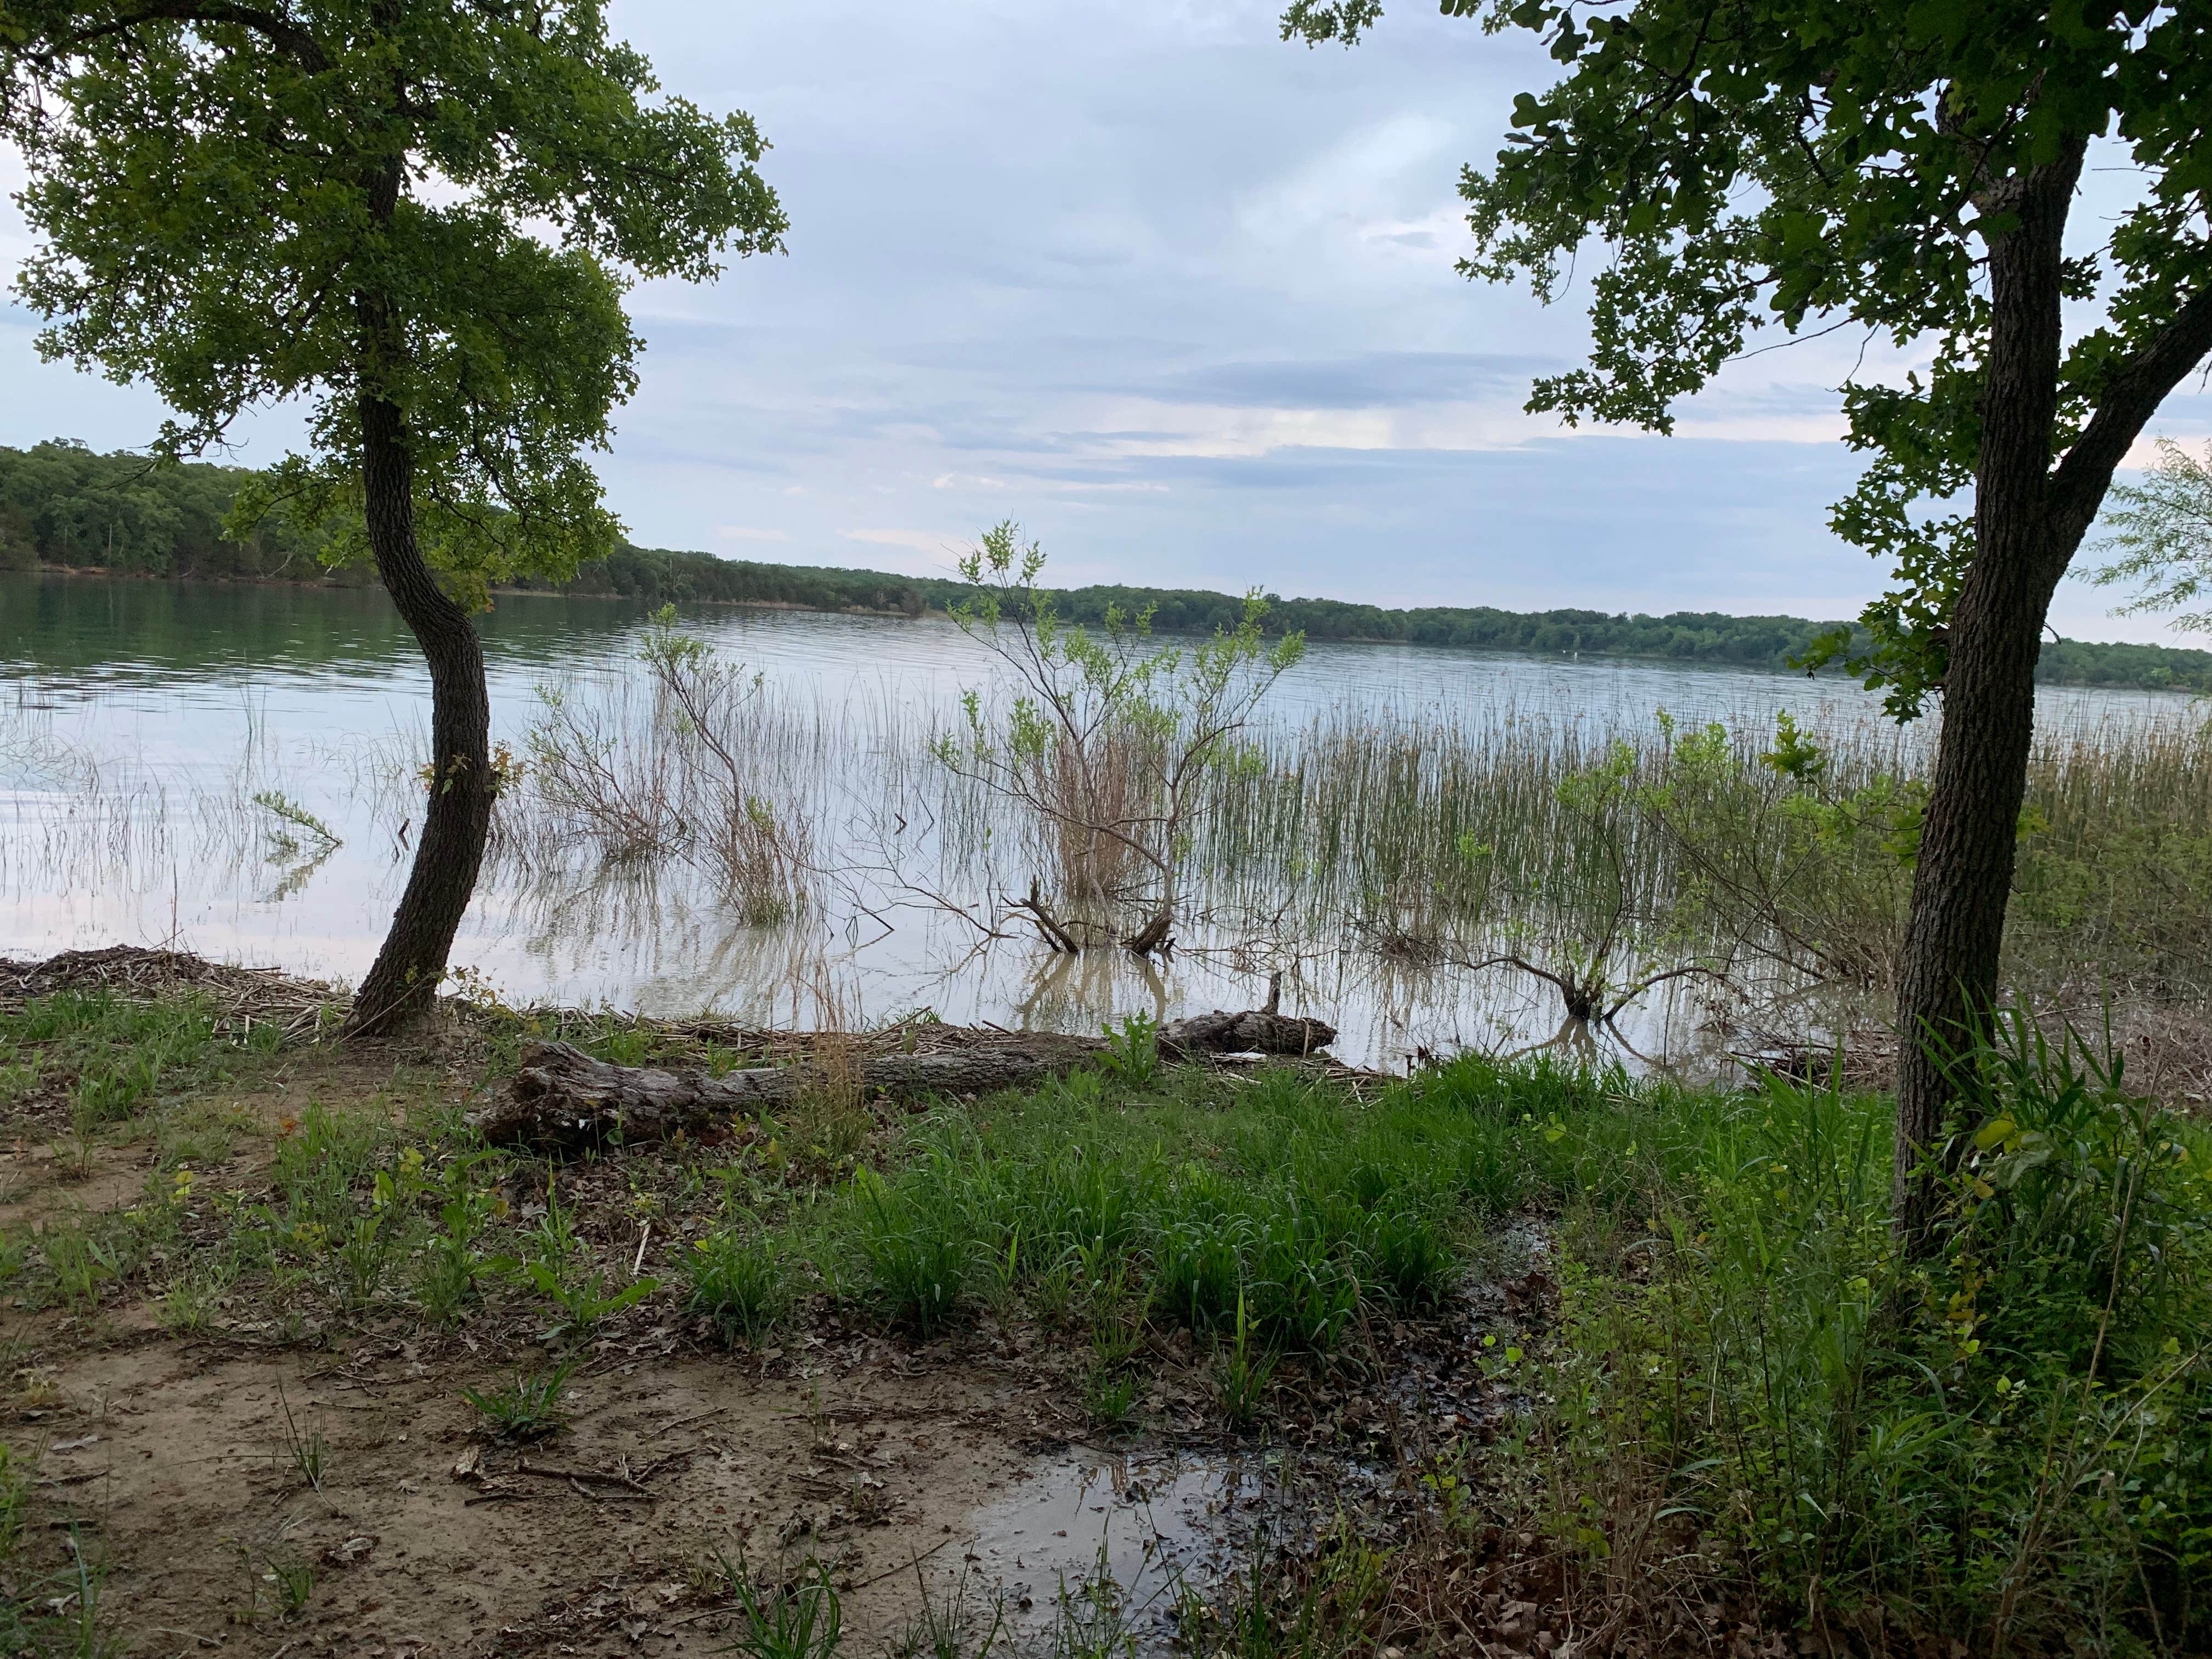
{"x": 561, "y": 1097}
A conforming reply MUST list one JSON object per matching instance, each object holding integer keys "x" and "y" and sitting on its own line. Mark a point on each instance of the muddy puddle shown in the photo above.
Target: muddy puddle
{"x": 1120, "y": 1535}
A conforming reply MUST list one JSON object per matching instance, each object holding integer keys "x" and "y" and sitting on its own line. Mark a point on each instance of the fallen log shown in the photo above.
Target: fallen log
{"x": 1255, "y": 1031}
{"x": 562, "y": 1098}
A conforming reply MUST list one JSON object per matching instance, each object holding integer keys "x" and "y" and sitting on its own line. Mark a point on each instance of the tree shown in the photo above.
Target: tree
{"x": 416, "y": 217}
{"x": 2163, "y": 535}
{"x": 1110, "y": 738}
{"x": 1907, "y": 168}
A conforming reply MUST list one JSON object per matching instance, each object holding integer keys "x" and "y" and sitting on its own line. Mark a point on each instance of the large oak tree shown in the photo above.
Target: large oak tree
{"x": 417, "y": 217}
{"x": 1911, "y": 167}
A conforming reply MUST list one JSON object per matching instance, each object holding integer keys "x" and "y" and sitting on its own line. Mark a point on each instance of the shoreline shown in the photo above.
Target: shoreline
{"x": 98, "y": 573}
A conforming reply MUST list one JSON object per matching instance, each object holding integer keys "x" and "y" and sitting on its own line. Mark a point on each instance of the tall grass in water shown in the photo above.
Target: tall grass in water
{"x": 1538, "y": 833}
{"x": 699, "y": 766}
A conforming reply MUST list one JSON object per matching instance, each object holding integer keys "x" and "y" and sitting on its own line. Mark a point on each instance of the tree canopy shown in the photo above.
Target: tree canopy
{"x": 2161, "y": 533}
{"x": 224, "y": 193}
{"x": 1747, "y": 164}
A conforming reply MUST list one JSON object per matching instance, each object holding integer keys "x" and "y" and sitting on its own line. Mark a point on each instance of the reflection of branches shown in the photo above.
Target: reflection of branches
{"x": 295, "y": 877}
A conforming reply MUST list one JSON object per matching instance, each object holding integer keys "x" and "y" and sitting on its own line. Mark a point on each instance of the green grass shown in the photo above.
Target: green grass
{"x": 1750, "y": 1398}
{"x": 530, "y": 1408}
{"x": 114, "y": 1059}
{"x": 1744, "y": 1396}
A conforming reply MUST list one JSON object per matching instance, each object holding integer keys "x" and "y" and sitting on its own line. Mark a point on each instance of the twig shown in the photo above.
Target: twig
{"x": 591, "y": 1475}
{"x": 902, "y": 1567}
{"x": 644, "y": 1239}
{"x": 681, "y": 1422}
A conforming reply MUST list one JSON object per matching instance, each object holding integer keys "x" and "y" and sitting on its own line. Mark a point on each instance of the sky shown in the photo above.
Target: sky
{"x": 1179, "y": 298}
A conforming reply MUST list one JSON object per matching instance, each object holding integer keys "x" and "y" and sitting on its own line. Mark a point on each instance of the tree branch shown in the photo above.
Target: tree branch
{"x": 279, "y": 30}
{"x": 2078, "y": 488}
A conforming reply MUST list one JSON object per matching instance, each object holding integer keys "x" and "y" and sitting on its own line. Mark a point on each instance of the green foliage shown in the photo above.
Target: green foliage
{"x": 48, "y": 515}
{"x": 1132, "y": 1055}
{"x": 116, "y": 1057}
{"x": 555, "y": 1265}
{"x": 15, "y": 1502}
{"x": 800, "y": 1620}
{"x": 1811, "y": 163}
{"x": 529, "y": 1409}
{"x": 916, "y": 1242}
{"x": 62, "y": 504}
{"x": 739, "y": 1283}
{"x": 2000, "y": 1446}
{"x": 2161, "y": 529}
{"x": 1111, "y": 737}
{"x": 368, "y": 203}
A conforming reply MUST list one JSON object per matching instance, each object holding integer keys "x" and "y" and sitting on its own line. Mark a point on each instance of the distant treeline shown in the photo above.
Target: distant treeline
{"x": 61, "y": 504}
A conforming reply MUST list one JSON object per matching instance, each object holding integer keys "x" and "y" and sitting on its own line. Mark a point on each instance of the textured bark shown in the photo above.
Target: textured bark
{"x": 457, "y": 810}
{"x": 2029, "y": 519}
{"x": 1947, "y": 972}
{"x": 1259, "y": 1032}
{"x": 561, "y": 1097}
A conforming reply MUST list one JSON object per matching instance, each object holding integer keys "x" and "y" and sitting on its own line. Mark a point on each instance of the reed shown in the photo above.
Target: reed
{"x": 752, "y": 833}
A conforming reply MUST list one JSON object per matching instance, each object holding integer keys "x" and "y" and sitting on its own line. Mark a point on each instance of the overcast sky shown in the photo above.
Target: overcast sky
{"x": 1177, "y": 296}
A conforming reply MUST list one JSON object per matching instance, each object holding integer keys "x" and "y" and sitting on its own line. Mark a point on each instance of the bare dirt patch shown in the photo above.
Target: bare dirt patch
{"x": 180, "y": 1464}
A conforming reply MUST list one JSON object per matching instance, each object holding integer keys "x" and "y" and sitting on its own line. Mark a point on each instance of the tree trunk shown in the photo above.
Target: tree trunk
{"x": 1947, "y": 972}
{"x": 457, "y": 815}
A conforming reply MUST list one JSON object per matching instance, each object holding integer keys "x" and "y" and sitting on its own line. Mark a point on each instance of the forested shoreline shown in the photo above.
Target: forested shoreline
{"x": 65, "y": 506}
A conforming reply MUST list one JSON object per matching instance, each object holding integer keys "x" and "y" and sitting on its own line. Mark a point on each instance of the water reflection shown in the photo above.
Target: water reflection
{"x": 137, "y": 719}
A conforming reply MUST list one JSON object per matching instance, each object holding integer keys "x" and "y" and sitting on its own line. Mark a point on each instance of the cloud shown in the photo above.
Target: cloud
{"x": 1183, "y": 301}
{"x": 922, "y": 541}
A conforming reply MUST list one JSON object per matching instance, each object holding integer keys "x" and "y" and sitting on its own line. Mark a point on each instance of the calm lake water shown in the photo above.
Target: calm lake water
{"x": 136, "y": 719}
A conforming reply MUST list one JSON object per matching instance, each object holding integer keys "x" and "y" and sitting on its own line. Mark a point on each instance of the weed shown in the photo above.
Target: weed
{"x": 1132, "y": 1055}
{"x": 293, "y": 1579}
{"x": 447, "y": 1274}
{"x": 15, "y": 1478}
{"x": 1243, "y": 1372}
{"x": 951, "y": 1628}
{"x": 582, "y": 1299}
{"x": 741, "y": 1284}
{"x": 1096, "y": 1618}
{"x": 800, "y": 1620}
{"x": 80, "y": 1262}
{"x": 309, "y": 1452}
{"x": 916, "y": 1247}
{"x": 1109, "y": 1395}
{"x": 291, "y": 816}
{"x": 530, "y": 1408}
{"x": 359, "y": 1258}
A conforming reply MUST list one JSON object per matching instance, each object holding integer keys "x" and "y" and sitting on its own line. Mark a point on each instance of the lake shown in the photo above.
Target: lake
{"x": 138, "y": 718}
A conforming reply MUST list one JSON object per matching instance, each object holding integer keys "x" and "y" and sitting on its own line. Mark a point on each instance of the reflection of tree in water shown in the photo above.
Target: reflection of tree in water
{"x": 293, "y": 876}
{"x": 685, "y": 952}
{"x": 1085, "y": 991}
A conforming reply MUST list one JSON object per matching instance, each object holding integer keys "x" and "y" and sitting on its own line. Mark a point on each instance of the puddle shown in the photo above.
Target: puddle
{"x": 1141, "y": 1524}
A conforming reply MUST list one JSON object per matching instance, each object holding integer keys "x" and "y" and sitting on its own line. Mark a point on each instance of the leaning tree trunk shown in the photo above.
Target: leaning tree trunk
{"x": 1947, "y": 972}
{"x": 456, "y": 813}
